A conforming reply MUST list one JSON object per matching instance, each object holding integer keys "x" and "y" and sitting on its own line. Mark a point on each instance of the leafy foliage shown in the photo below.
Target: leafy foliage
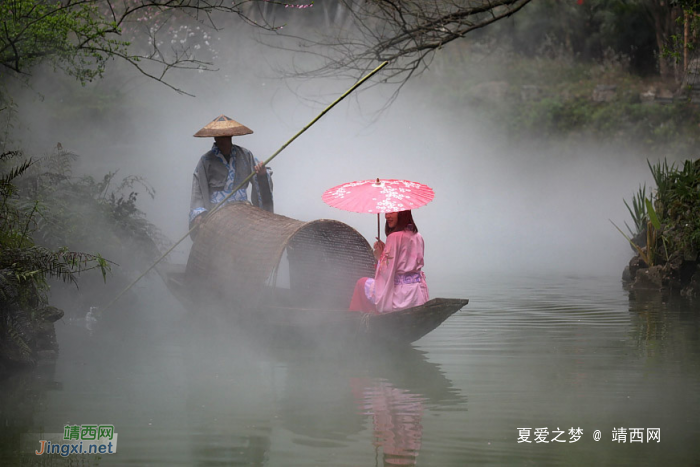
{"x": 80, "y": 37}
{"x": 21, "y": 260}
{"x": 26, "y": 266}
{"x": 71, "y": 35}
{"x": 638, "y": 211}
{"x": 88, "y": 214}
{"x": 671, "y": 213}
{"x": 46, "y": 217}
{"x": 563, "y": 109}
{"x": 629, "y": 122}
{"x": 689, "y": 22}
{"x": 681, "y": 192}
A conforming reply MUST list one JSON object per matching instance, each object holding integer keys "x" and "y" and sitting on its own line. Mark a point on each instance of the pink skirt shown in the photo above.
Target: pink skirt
{"x": 359, "y": 301}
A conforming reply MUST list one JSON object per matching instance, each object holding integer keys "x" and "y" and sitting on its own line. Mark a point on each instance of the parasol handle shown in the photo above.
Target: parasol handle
{"x": 378, "y": 231}
{"x": 378, "y": 235}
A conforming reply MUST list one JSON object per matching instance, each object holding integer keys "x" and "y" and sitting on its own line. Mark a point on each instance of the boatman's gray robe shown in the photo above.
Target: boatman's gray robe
{"x": 214, "y": 179}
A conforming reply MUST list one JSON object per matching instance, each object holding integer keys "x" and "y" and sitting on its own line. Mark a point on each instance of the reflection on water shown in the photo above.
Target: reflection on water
{"x": 21, "y": 397}
{"x": 555, "y": 352}
{"x": 664, "y": 326}
{"x": 396, "y": 418}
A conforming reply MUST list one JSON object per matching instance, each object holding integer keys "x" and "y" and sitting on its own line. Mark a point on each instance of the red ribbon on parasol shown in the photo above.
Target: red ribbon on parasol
{"x": 370, "y": 196}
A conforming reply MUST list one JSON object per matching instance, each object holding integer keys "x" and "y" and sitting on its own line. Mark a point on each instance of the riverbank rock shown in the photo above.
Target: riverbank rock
{"x": 635, "y": 265}
{"x": 679, "y": 273}
{"x": 45, "y": 332}
{"x": 28, "y": 337}
{"x": 692, "y": 290}
{"x": 648, "y": 278}
{"x": 626, "y": 274}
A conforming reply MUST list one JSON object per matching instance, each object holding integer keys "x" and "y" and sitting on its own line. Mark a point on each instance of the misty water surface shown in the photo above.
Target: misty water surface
{"x": 555, "y": 352}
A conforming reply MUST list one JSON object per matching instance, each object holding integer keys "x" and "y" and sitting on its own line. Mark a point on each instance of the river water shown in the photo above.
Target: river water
{"x": 524, "y": 375}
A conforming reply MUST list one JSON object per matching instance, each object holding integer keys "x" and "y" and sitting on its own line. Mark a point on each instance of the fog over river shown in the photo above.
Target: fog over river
{"x": 550, "y": 340}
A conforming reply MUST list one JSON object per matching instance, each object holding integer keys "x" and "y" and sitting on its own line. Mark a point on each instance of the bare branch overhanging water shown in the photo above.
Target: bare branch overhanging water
{"x": 404, "y": 33}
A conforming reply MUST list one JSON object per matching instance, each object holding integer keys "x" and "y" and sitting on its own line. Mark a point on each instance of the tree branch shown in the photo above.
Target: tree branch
{"x": 404, "y": 32}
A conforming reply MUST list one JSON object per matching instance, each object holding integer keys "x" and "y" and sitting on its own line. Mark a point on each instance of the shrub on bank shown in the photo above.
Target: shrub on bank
{"x": 556, "y": 100}
{"x": 47, "y": 218}
{"x": 668, "y": 231}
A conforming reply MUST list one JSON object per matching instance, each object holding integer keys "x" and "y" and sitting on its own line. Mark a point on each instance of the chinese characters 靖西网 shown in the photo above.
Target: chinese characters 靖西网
{"x": 572, "y": 435}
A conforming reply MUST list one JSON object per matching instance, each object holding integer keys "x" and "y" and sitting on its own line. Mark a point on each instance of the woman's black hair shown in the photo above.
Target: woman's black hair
{"x": 404, "y": 222}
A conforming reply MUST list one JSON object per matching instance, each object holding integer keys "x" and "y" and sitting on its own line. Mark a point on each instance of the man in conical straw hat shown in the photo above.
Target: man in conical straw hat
{"x": 224, "y": 167}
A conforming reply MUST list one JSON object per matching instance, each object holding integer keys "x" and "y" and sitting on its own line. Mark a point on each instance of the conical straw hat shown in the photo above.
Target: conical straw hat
{"x": 223, "y": 126}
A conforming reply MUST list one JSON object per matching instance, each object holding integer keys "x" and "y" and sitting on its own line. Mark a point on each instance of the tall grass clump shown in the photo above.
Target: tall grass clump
{"x": 667, "y": 223}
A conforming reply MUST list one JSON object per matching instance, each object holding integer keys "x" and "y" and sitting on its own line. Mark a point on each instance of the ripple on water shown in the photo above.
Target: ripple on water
{"x": 557, "y": 351}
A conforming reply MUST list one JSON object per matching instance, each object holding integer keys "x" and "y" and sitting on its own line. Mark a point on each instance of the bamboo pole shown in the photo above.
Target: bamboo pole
{"x": 247, "y": 179}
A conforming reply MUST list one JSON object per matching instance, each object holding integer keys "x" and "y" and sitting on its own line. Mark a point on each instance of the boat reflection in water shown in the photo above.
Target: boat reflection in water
{"x": 331, "y": 400}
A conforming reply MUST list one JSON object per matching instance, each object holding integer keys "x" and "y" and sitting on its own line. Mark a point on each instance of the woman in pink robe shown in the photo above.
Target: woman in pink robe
{"x": 399, "y": 282}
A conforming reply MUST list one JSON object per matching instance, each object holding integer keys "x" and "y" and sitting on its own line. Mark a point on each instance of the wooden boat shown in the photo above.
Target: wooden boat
{"x": 290, "y": 277}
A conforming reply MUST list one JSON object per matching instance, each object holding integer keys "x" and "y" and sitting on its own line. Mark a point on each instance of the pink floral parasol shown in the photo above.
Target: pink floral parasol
{"x": 370, "y": 196}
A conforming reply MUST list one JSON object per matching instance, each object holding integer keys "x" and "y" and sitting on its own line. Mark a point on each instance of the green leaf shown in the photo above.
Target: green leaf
{"x": 652, "y": 214}
{"x": 643, "y": 254}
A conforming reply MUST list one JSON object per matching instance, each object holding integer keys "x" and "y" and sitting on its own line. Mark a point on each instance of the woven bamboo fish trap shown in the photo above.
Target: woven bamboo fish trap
{"x": 236, "y": 257}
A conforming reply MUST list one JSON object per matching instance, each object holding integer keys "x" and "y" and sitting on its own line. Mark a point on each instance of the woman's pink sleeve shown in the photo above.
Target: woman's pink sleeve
{"x": 386, "y": 270}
